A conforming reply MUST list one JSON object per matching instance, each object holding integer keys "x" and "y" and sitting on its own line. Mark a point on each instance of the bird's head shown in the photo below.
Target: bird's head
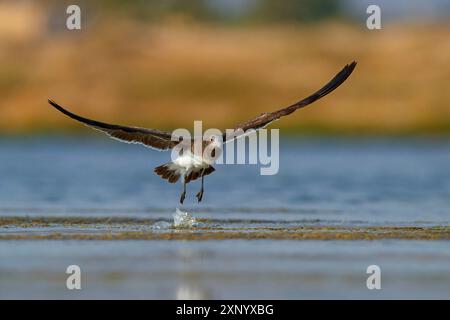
{"x": 215, "y": 141}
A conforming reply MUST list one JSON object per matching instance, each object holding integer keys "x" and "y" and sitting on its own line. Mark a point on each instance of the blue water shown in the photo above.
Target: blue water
{"x": 387, "y": 181}
{"x": 231, "y": 269}
{"x": 328, "y": 181}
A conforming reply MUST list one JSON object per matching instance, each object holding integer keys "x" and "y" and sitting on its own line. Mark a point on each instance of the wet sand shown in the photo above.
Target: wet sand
{"x": 122, "y": 228}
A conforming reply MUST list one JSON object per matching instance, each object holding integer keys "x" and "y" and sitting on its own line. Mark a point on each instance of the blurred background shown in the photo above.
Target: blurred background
{"x": 164, "y": 64}
{"x": 167, "y": 63}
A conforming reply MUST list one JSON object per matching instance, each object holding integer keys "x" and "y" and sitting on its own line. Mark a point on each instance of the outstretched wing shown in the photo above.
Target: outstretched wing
{"x": 148, "y": 137}
{"x": 266, "y": 118}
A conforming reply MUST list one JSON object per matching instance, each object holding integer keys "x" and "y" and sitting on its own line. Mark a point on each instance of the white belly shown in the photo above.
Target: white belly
{"x": 185, "y": 164}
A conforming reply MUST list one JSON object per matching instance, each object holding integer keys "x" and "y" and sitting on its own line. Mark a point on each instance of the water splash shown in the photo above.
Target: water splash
{"x": 161, "y": 225}
{"x": 183, "y": 220}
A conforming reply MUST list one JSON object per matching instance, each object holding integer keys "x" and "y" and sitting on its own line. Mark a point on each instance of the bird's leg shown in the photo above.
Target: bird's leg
{"x": 183, "y": 194}
{"x": 200, "y": 193}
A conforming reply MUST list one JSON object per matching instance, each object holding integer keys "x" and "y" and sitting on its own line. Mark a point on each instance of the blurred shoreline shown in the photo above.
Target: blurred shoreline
{"x": 168, "y": 73}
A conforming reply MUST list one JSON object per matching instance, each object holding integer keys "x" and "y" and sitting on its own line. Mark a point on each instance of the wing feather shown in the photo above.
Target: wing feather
{"x": 148, "y": 137}
{"x": 265, "y": 119}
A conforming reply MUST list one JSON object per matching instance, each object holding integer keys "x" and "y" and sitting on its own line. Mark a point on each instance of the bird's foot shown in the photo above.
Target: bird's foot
{"x": 183, "y": 195}
{"x": 200, "y": 195}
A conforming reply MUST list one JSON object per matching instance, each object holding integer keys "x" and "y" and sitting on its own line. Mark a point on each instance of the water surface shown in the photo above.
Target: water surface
{"x": 349, "y": 183}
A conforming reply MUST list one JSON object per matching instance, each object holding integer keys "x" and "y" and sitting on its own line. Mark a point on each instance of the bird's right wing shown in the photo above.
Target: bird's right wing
{"x": 148, "y": 137}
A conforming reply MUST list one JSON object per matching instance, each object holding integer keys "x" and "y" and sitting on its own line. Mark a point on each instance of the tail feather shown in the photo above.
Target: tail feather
{"x": 198, "y": 174}
{"x": 170, "y": 173}
{"x": 167, "y": 173}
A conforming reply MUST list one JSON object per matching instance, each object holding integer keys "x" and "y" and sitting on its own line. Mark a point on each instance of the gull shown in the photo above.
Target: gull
{"x": 189, "y": 165}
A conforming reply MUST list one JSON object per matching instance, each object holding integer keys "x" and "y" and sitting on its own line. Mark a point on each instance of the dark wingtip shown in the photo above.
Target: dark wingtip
{"x": 53, "y": 103}
{"x": 58, "y": 107}
{"x": 67, "y": 113}
{"x": 351, "y": 66}
{"x": 344, "y": 74}
{"x": 329, "y": 87}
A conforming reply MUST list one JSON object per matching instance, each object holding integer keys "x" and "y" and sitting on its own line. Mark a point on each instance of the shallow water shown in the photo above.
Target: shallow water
{"x": 225, "y": 269}
{"x": 348, "y": 183}
{"x": 374, "y": 181}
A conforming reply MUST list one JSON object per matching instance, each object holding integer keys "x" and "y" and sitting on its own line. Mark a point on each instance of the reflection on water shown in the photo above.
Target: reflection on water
{"x": 225, "y": 269}
{"x": 321, "y": 183}
{"x": 192, "y": 292}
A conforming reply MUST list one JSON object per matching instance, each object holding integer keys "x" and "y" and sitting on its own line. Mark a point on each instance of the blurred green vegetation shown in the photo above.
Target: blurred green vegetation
{"x": 250, "y": 11}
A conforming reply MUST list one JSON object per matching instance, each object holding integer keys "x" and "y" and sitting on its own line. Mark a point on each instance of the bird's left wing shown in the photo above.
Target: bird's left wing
{"x": 148, "y": 137}
{"x": 265, "y": 119}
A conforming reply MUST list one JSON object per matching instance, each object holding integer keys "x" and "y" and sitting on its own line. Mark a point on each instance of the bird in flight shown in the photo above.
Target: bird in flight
{"x": 188, "y": 165}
